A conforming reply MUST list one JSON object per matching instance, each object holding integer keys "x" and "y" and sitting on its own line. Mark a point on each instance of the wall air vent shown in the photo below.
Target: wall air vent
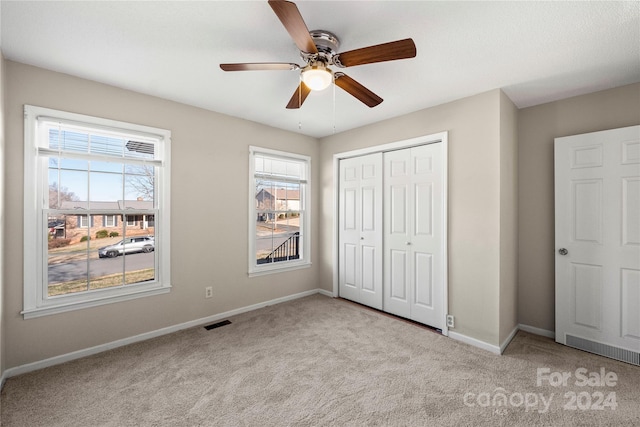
{"x": 628, "y": 356}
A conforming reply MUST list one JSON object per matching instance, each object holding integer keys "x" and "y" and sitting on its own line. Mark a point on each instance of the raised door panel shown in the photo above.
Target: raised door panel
{"x": 587, "y": 291}
{"x": 350, "y": 219}
{"x": 423, "y": 209}
{"x": 630, "y": 211}
{"x": 630, "y": 298}
{"x": 398, "y": 210}
{"x": 423, "y": 273}
{"x": 587, "y": 210}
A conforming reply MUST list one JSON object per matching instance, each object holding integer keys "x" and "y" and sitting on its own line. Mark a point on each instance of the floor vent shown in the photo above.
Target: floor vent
{"x": 606, "y": 350}
{"x": 217, "y": 325}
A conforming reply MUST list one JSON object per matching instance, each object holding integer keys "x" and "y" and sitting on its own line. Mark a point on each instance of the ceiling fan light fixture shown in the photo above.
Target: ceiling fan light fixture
{"x": 317, "y": 77}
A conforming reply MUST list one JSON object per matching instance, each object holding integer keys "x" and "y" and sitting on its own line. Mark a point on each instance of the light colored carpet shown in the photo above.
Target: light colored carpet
{"x": 318, "y": 361}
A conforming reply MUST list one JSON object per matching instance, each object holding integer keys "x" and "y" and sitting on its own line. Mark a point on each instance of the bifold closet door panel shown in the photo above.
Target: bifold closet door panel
{"x": 360, "y": 230}
{"x": 413, "y": 277}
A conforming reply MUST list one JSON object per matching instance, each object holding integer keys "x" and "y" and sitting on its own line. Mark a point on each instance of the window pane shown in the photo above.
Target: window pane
{"x": 139, "y": 186}
{"x": 67, "y": 270}
{"x": 265, "y": 199}
{"x": 67, "y": 185}
{"x": 105, "y": 187}
{"x": 105, "y": 272}
{"x": 67, "y": 255}
{"x": 138, "y": 248}
{"x": 264, "y": 247}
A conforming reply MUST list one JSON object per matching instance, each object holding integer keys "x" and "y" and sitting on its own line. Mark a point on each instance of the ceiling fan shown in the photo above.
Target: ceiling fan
{"x": 318, "y": 50}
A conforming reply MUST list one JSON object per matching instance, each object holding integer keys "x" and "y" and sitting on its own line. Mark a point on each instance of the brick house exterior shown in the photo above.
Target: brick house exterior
{"x": 74, "y": 227}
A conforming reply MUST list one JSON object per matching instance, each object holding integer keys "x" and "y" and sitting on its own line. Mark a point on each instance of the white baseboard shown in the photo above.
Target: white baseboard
{"x": 56, "y": 360}
{"x": 506, "y": 342}
{"x": 474, "y": 342}
{"x": 494, "y": 348}
{"x": 325, "y": 293}
{"x": 537, "y": 331}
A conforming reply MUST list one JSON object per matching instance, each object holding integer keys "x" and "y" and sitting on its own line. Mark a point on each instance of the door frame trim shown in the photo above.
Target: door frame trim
{"x": 440, "y": 137}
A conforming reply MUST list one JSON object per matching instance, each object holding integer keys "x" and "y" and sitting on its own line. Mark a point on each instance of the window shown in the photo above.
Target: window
{"x": 110, "y": 220}
{"x": 82, "y": 173}
{"x": 278, "y": 211}
{"x": 83, "y": 221}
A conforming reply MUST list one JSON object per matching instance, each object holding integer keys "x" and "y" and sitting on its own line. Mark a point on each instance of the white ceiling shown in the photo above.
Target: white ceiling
{"x": 536, "y": 52}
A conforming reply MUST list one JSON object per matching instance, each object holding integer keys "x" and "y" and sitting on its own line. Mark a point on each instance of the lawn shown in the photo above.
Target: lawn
{"x": 108, "y": 281}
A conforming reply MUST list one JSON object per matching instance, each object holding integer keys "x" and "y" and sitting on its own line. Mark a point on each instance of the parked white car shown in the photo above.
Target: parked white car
{"x": 128, "y": 246}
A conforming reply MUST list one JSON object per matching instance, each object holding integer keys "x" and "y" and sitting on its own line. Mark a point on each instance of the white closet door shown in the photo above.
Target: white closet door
{"x": 360, "y": 234}
{"x": 597, "y": 202}
{"x": 413, "y": 237}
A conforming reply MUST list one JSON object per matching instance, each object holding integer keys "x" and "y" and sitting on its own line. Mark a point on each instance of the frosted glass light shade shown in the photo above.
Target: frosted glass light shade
{"x": 317, "y": 78}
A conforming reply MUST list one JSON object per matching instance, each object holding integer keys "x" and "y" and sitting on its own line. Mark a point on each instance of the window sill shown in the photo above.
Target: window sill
{"x": 278, "y": 269}
{"x": 64, "y": 307}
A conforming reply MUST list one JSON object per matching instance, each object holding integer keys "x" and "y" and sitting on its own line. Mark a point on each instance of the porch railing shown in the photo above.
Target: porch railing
{"x": 288, "y": 250}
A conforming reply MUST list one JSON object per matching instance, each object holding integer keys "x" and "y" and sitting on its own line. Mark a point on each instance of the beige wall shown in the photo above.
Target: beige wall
{"x": 209, "y": 216}
{"x": 537, "y": 128}
{"x": 474, "y": 201}
{"x": 508, "y": 217}
{"x": 2, "y": 226}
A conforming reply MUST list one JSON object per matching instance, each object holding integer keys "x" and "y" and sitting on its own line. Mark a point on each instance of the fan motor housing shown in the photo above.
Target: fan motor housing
{"x": 327, "y": 44}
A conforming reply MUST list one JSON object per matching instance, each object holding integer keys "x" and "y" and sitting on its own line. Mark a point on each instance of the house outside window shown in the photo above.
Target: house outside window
{"x": 86, "y": 180}
{"x": 278, "y": 211}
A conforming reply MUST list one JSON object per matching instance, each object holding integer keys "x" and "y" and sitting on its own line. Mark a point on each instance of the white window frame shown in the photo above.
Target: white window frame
{"x": 113, "y": 218}
{"x": 37, "y": 303}
{"x": 305, "y": 210}
{"x": 84, "y": 221}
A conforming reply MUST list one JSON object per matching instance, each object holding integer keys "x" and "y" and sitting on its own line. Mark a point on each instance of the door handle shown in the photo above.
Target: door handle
{"x": 362, "y": 238}
{"x": 408, "y": 243}
{"x": 563, "y": 251}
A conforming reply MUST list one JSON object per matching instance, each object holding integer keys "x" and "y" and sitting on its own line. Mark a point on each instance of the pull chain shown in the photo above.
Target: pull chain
{"x": 299, "y": 104}
{"x": 334, "y": 105}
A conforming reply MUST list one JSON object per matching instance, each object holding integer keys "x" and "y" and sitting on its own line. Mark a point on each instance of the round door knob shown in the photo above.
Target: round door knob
{"x": 408, "y": 243}
{"x": 563, "y": 251}
{"x": 362, "y": 238}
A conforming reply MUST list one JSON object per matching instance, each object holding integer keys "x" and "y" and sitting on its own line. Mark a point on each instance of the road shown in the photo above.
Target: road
{"x": 74, "y": 270}
{"x": 267, "y": 240}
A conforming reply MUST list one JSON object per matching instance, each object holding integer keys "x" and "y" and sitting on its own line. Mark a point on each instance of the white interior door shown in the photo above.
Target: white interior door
{"x": 360, "y": 232}
{"x": 597, "y": 202}
{"x": 413, "y": 237}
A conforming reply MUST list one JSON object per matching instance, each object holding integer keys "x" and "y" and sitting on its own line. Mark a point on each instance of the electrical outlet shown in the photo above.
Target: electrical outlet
{"x": 450, "y": 321}
{"x": 208, "y": 292}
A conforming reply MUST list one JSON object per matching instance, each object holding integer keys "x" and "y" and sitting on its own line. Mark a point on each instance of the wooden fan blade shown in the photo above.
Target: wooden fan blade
{"x": 259, "y": 66}
{"x": 357, "y": 90}
{"x": 290, "y": 17}
{"x": 401, "y": 49}
{"x": 299, "y": 96}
